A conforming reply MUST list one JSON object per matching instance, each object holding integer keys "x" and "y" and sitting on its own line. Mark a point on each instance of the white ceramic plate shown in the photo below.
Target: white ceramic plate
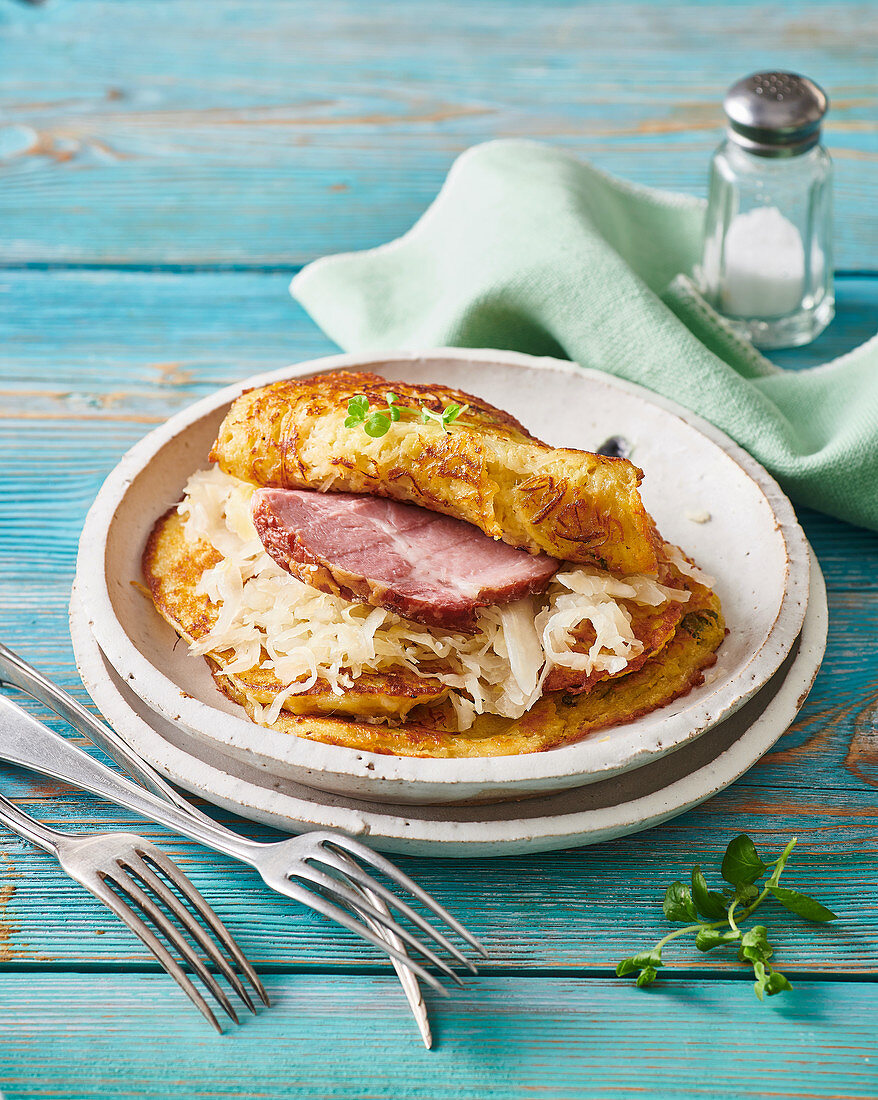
{"x": 599, "y": 811}
{"x": 752, "y": 545}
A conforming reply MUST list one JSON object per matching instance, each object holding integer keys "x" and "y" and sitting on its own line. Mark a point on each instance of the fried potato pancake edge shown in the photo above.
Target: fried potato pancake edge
{"x": 486, "y": 469}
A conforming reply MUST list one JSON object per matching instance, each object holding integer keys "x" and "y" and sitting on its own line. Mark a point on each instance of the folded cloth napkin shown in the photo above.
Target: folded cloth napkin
{"x": 528, "y": 248}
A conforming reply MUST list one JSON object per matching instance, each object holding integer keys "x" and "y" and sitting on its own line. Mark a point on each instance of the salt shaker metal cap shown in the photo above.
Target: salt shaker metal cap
{"x": 775, "y": 114}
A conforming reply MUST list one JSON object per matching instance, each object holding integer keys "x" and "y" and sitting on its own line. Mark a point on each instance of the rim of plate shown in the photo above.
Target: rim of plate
{"x": 563, "y": 764}
{"x": 434, "y": 830}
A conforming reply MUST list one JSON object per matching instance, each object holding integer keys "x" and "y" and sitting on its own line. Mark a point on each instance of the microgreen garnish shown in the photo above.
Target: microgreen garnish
{"x": 742, "y": 867}
{"x": 448, "y": 415}
{"x": 376, "y": 422}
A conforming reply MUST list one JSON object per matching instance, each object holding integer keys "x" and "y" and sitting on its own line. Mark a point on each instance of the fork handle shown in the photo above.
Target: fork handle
{"x": 30, "y": 744}
{"x": 15, "y": 671}
{"x": 28, "y": 827}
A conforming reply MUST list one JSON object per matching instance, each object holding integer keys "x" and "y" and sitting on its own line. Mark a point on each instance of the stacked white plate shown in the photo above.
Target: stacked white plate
{"x": 705, "y": 493}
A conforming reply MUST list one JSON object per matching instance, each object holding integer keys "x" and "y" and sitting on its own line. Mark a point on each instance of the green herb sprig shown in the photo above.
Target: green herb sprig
{"x": 376, "y": 421}
{"x": 726, "y": 911}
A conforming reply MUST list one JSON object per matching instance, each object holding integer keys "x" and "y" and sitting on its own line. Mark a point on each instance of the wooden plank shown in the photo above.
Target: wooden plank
{"x": 106, "y": 340}
{"x": 145, "y": 133}
{"x": 583, "y": 909}
{"x": 179, "y": 336}
{"x": 70, "y": 412}
{"x": 268, "y": 134}
{"x": 118, "y": 1036}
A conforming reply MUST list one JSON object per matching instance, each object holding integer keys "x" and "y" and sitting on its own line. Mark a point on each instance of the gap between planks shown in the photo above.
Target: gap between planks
{"x": 239, "y": 267}
{"x": 373, "y": 970}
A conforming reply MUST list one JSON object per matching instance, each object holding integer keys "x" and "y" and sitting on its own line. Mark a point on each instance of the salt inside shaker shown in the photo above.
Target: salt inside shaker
{"x": 767, "y": 261}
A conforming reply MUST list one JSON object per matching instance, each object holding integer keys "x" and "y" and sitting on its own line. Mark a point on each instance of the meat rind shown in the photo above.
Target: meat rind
{"x": 487, "y": 469}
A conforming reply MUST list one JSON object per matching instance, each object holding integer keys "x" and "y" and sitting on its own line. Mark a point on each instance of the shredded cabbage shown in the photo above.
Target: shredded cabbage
{"x": 268, "y": 618}
{"x": 676, "y": 556}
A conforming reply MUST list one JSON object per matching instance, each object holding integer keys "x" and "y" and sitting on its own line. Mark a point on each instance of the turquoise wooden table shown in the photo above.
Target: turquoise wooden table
{"x": 165, "y": 165}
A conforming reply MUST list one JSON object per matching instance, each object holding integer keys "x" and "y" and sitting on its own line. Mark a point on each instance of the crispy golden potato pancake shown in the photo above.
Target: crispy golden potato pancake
{"x": 172, "y": 567}
{"x": 373, "y": 695}
{"x": 554, "y": 720}
{"x": 486, "y": 469}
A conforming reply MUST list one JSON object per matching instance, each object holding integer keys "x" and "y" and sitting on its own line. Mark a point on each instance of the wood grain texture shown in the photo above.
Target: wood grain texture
{"x": 581, "y": 910}
{"x": 164, "y": 168}
{"x": 269, "y": 132}
{"x": 345, "y": 1038}
{"x": 77, "y": 393}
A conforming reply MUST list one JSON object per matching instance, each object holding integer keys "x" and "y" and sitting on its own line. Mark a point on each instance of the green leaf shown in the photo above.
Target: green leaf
{"x": 745, "y": 893}
{"x": 653, "y": 957}
{"x": 678, "y": 905}
{"x": 802, "y": 905}
{"x": 776, "y": 983}
{"x": 707, "y": 902}
{"x": 708, "y": 938}
{"x": 646, "y": 977}
{"x": 394, "y": 413}
{"x": 376, "y": 425}
{"x": 741, "y": 863}
{"x": 358, "y": 406}
{"x": 761, "y": 978}
{"x": 353, "y": 421}
{"x": 646, "y": 960}
{"x": 449, "y": 414}
{"x": 391, "y": 398}
{"x": 755, "y": 945}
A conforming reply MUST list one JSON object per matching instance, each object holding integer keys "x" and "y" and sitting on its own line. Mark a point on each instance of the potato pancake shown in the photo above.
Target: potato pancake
{"x": 485, "y": 469}
{"x": 401, "y": 712}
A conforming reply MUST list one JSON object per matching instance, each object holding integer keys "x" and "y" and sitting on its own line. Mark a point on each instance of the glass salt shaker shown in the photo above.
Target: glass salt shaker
{"x": 767, "y": 262}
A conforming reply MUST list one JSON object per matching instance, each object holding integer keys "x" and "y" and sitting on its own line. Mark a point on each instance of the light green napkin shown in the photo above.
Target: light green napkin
{"x": 528, "y": 248}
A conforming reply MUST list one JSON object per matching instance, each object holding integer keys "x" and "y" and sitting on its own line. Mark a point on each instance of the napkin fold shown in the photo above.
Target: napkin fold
{"x": 527, "y": 248}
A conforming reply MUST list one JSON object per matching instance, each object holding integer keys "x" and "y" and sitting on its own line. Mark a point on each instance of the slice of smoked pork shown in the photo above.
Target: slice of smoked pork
{"x": 422, "y": 565}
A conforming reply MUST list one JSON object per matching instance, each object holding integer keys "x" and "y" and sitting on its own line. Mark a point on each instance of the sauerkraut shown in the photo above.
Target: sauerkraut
{"x": 268, "y": 618}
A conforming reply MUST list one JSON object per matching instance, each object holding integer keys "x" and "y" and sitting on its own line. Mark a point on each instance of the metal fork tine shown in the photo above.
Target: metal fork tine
{"x": 164, "y": 864}
{"x": 353, "y": 847}
{"x": 148, "y": 938}
{"x": 124, "y": 881}
{"x": 407, "y": 977}
{"x": 358, "y": 902}
{"x": 349, "y": 867}
{"x": 333, "y": 912}
{"x": 192, "y": 926}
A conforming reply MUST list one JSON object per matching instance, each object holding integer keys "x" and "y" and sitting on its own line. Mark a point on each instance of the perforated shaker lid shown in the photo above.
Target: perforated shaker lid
{"x": 775, "y": 114}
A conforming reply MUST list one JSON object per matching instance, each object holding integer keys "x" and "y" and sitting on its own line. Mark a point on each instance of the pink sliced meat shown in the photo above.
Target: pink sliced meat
{"x": 422, "y": 565}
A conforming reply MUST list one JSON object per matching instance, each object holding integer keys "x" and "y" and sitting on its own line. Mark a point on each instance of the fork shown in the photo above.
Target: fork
{"x": 328, "y": 862}
{"x": 127, "y": 874}
{"x": 16, "y": 672}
